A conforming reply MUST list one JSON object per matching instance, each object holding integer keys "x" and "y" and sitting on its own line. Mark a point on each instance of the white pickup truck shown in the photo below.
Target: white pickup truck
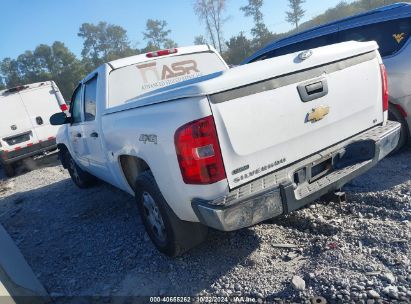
{"x": 201, "y": 145}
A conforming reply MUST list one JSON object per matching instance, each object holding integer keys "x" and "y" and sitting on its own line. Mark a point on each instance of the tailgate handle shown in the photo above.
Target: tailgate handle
{"x": 313, "y": 89}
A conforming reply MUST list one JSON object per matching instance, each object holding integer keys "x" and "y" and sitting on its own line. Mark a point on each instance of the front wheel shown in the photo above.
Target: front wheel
{"x": 9, "y": 170}
{"x": 81, "y": 178}
{"x": 168, "y": 233}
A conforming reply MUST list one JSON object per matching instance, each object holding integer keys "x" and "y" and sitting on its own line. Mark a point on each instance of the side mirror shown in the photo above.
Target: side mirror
{"x": 59, "y": 119}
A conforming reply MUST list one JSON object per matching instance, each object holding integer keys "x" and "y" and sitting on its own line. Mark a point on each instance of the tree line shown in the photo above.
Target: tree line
{"x": 104, "y": 42}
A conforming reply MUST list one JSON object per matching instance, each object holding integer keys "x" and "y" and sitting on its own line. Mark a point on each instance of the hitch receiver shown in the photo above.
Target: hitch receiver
{"x": 336, "y": 197}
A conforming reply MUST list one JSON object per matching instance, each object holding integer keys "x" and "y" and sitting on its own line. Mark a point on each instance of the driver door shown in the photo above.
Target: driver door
{"x": 75, "y": 130}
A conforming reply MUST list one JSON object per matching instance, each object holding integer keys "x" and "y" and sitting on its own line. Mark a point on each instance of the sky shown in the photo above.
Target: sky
{"x": 24, "y": 24}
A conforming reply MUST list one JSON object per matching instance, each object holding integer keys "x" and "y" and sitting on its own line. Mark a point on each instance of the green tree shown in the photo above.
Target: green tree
{"x": 199, "y": 40}
{"x": 343, "y": 10}
{"x": 211, "y": 13}
{"x": 54, "y": 62}
{"x": 169, "y": 44}
{"x": 102, "y": 43}
{"x": 150, "y": 47}
{"x": 260, "y": 32}
{"x": 238, "y": 48}
{"x": 295, "y": 13}
{"x": 10, "y": 71}
{"x": 64, "y": 68}
{"x": 157, "y": 35}
{"x": 2, "y": 84}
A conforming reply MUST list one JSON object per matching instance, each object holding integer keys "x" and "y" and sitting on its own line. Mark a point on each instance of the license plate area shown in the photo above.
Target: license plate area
{"x": 320, "y": 169}
{"x": 14, "y": 140}
{"x": 350, "y": 155}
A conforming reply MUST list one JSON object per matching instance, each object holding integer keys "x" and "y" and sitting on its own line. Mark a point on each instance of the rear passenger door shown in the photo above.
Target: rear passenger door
{"x": 95, "y": 152}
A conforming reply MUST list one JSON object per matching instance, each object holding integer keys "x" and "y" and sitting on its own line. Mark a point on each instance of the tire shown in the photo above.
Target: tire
{"x": 81, "y": 178}
{"x": 9, "y": 170}
{"x": 395, "y": 115}
{"x": 168, "y": 233}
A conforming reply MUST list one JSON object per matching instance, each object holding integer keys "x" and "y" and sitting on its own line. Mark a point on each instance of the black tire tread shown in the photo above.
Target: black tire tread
{"x": 181, "y": 235}
{"x": 86, "y": 179}
{"x": 9, "y": 170}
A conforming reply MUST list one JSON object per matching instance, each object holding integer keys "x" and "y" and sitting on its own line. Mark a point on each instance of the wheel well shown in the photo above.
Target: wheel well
{"x": 397, "y": 110}
{"x": 132, "y": 166}
{"x": 62, "y": 150}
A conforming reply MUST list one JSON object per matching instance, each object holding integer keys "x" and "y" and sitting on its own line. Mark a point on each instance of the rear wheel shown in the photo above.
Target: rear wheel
{"x": 81, "y": 178}
{"x": 395, "y": 115}
{"x": 168, "y": 233}
{"x": 9, "y": 170}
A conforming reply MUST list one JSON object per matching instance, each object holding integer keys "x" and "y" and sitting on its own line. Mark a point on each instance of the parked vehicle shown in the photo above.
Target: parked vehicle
{"x": 201, "y": 145}
{"x": 25, "y": 129}
{"x": 390, "y": 27}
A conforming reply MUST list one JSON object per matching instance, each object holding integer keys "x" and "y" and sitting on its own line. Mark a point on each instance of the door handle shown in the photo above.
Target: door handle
{"x": 78, "y": 135}
{"x": 94, "y": 134}
{"x": 39, "y": 120}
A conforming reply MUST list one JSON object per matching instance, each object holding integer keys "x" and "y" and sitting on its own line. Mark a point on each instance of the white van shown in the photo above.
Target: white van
{"x": 25, "y": 129}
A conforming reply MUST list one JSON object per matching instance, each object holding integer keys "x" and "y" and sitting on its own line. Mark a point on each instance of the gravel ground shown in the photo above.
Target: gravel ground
{"x": 92, "y": 242}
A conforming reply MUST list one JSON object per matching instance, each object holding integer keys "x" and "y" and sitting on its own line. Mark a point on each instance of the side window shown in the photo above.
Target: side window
{"x": 300, "y": 46}
{"x": 390, "y": 35}
{"x": 75, "y": 105}
{"x": 90, "y": 94}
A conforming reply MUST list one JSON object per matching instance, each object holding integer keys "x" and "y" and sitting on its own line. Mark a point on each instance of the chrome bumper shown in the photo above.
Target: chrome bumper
{"x": 278, "y": 193}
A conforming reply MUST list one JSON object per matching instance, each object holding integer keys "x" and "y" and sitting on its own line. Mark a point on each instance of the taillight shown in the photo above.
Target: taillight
{"x": 161, "y": 53}
{"x": 63, "y": 107}
{"x": 198, "y": 152}
{"x": 384, "y": 81}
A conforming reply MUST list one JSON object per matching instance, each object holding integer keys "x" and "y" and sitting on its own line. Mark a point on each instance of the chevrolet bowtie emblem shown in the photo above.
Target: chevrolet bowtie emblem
{"x": 318, "y": 113}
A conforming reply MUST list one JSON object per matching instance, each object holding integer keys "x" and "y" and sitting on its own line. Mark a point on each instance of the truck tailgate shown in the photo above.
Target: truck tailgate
{"x": 271, "y": 123}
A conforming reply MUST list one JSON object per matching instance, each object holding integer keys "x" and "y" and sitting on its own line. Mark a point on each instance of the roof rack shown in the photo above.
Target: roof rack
{"x": 16, "y": 89}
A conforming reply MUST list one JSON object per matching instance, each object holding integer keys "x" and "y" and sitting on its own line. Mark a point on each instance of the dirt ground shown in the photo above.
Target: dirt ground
{"x": 92, "y": 242}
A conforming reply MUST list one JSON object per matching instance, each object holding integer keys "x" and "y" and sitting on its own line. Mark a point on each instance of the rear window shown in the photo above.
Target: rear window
{"x": 134, "y": 80}
{"x": 390, "y": 35}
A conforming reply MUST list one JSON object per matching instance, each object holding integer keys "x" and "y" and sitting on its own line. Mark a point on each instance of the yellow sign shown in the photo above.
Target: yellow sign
{"x": 318, "y": 113}
{"x": 399, "y": 37}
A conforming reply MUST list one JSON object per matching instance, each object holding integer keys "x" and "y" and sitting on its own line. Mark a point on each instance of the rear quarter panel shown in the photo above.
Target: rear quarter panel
{"x": 122, "y": 131}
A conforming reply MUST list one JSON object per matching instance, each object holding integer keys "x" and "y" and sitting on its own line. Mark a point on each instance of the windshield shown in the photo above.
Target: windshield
{"x": 131, "y": 81}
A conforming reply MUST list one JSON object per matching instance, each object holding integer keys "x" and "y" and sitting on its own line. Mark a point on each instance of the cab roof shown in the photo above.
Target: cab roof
{"x": 115, "y": 64}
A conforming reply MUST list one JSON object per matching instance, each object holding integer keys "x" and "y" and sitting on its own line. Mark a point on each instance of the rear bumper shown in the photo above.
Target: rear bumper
{"x": 278, "y": 193}
{"x": 16, "y": 155}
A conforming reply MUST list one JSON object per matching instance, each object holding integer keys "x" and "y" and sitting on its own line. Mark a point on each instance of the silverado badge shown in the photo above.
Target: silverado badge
{"x": 318, "y": 113}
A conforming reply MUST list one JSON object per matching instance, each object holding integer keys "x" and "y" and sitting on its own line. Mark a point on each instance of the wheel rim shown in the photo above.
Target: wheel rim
{"x": 73, "y": 170}
{"x": 153, "y": 216}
